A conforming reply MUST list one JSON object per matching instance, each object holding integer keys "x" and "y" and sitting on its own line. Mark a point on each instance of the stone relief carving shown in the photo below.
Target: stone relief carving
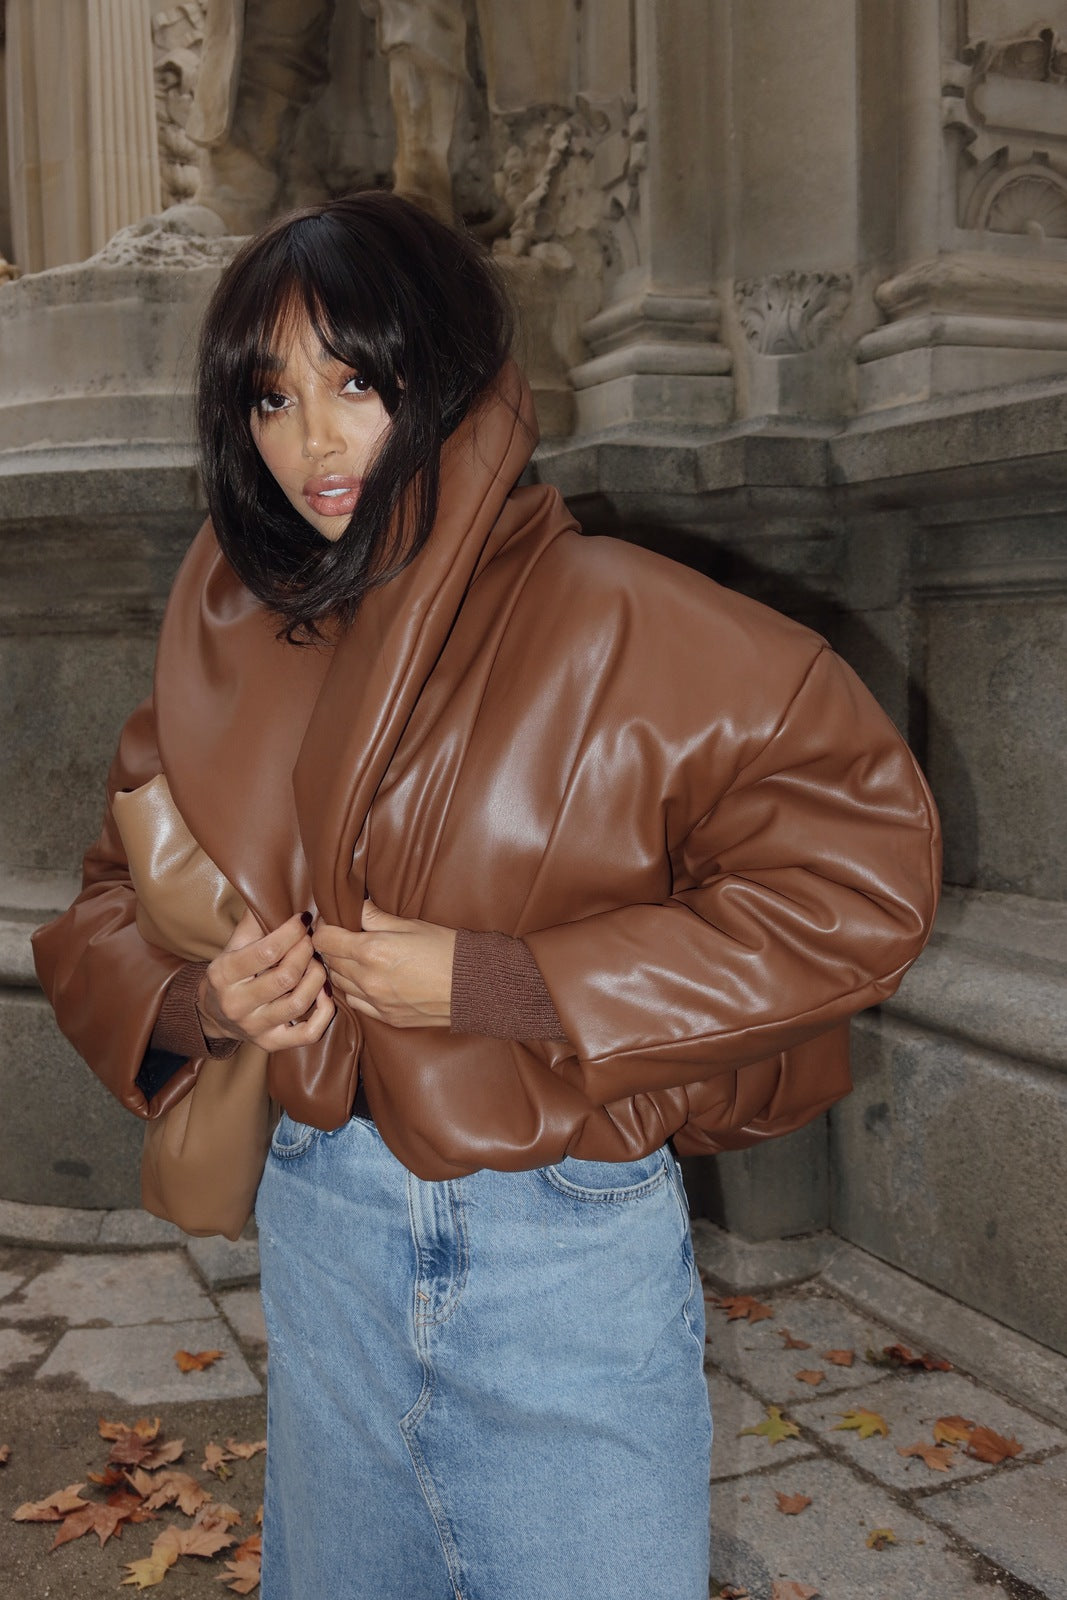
{"x": 1004, "y": 97}
{"x": 786, "y": 314}
{"x": 177, "y": 41}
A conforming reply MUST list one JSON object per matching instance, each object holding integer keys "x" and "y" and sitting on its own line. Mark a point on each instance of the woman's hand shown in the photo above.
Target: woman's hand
{"x": 397, "y": 970}
{"x": 266, "y": 989}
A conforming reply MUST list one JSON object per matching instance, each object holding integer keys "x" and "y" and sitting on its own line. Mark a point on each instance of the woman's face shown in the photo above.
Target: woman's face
{"x": 318, "y": 429}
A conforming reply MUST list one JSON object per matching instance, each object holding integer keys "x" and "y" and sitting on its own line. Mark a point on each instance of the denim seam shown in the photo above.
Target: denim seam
{"x": 575, "y": 1191}
{"x": 689, "y": 1259}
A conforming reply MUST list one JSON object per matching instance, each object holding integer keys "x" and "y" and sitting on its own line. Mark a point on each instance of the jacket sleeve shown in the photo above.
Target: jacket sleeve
{"x": 106, "y": 984}
{"x": 800, "y": 896}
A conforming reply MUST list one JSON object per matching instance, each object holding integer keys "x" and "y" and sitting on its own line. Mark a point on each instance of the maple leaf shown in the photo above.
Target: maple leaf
{"x": 743, "y": 1305}
{"x": 215, "y": 1459}
{"x": 54, "y": 1509}
{"x": 878, "y": 1538}
{"x": 810, "y": 1376}
{"x": 840, "y": 1358}
{"x": 246, "y": 1451}
{"x": 216, "y": 1515}
{"x": 132, "y": 1506}
{"x": 131, "y": 1450}
{"x": 953, "y": 1430}
{"x": 789, "y": 1343}
{"x": 788, "y": 1589}
{"x": 252, "y": 1546}
{"x": 177, "y": 1488}
{"x": 153, "y": 1568}
{"x": 938, "y": 1456}
{"x": 101, "y": 1520}
{"x": 985, "y": 1445}
{"x": 898, "y": 1355}
{"x": 864, "y": 1422}
{"x": 5, "y": 1454}
{"x": 774, "y": 1427}
{"x": 142, "y": 1428}
{"x": 110, "y": 1478}
{"x": 197, "y": 1360}
{"x": 241, "y": 1576}
{"x": 732, "y": 1591}
{"x": 204, "y": 1539}
{"x": 792, "y": 1504}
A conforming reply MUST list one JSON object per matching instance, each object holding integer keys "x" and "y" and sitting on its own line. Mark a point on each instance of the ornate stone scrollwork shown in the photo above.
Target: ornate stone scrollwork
{"x": 177, "y": 42}
{"x": 791, "y": 312}
{"x": 1005, "y": 97}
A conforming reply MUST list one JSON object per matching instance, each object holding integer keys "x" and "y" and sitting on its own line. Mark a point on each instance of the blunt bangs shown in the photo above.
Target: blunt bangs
{"x": 412, "y": 306}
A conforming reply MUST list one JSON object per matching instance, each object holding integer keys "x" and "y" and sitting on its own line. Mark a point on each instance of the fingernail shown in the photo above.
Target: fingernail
{"x": 306, "y": 918}
{"x": 328, "y": 989}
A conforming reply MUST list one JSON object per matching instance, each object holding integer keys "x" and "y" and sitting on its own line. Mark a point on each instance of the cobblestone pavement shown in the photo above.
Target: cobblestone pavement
{"x": 93, "y": 1308}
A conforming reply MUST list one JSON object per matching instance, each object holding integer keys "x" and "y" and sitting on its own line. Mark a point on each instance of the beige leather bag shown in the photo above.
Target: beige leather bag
{"x": 203, "y": 1159}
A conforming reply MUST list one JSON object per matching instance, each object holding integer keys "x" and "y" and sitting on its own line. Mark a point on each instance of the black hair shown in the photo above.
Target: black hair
{"x": 418, "y": 309}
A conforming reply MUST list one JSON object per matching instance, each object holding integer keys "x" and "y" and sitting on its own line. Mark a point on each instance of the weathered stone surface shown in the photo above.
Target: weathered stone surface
{"x": 136, "y": 1363}
{"x": 769, "y": 1191}
{"x": 734, "y": 1263}
{"x": 826, "y": 1546}
{"x": 731, "y": 1410}
{"x": 1017, "y": 1520}
{"x": 115, "y": 1289}
{"x": 944, "y": 1159}
{"x": 73, "y": 1145}
{"x": 226, "y": 1263}
{"x": 756, "y": 1351}
{"x": 16, "y": 1347}
{"x": 911, "y": 1403}
{"x": 243, "y": 1310}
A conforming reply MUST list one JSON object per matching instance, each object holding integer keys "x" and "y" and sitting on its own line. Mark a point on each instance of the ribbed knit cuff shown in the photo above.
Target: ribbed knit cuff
{"x": 178, "y": 1027}
{"x": 498, "y": 990}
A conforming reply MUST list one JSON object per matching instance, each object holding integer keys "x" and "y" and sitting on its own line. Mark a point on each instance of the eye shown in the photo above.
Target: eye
{"x": 267, "y": 404}
{"x": 357, "y": 385}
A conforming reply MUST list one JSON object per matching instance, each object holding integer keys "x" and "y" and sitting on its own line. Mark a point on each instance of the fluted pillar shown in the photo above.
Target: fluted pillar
{"x": 83, "y": 153}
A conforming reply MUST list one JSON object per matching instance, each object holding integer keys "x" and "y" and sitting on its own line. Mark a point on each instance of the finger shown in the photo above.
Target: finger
{"x": 245, "y": 932}
{"x": 264, "y": 952}
{"x": 378, "y": 921}
{"x": 365, "y": 1008}
{"x": 307, "y": 1031}
{"x": 294, "y": 1003}
{"x": 333, "y": 942}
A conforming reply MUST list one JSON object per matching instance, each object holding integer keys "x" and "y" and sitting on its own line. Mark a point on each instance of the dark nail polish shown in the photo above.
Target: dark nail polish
{"x": 328, "y": 988}
{"x": 306, "y": 918}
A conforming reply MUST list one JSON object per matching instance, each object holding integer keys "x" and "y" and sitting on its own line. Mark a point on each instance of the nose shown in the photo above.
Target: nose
{"x": 322, "y": 436}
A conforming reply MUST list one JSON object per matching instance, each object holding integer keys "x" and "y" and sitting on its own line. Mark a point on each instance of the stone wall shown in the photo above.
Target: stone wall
{"x": 794, "y": 278}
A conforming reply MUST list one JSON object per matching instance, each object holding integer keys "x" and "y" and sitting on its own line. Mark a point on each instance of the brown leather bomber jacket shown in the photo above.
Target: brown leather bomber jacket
{"x": 711, "y": 838}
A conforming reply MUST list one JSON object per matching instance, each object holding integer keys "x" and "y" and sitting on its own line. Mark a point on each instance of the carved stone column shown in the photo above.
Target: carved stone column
{"x": 655, "y": 345}
{"x": 979, "y": 296}
{"x": 81, "y": 124}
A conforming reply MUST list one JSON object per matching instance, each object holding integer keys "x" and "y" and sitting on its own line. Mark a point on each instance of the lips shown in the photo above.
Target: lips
{"x": 332, "y": 496}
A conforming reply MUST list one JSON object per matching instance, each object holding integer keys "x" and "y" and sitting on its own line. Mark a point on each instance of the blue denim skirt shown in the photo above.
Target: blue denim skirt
{"x": 480, "y": 1389}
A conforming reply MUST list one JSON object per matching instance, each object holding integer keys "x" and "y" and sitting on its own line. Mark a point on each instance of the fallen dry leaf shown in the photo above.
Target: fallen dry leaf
{"x": 142, "y": 1428}
{"x": 104, "y": 1521}
{"x": 203, "y": 1539}
{"x": 787, "y": 1589}
{"x": 737, "y": 1306}
{"x": 953, "y": 1430}
{"x": 132, "y": 1505}
{"x": 878, "y": 1538}
{"x": 217, "y": 1515}
{"x": 197, "y": 1360}
{"x": 774, "y": 1427}
{"x": 110, "y": 1478}
{"x": 731, "y": 1591}
{"x": 176, "y": 1488}
{"x": 246, "y": 1451}
{"x": 54, "y": 1508}
{"x": 215, "y": 1459}
{"x": 792, "y": 1504}
{"x": 938, "y": 1456}
{"x": 153, "y": 1568}
{"x": 898, "y": 1355}
{"x": 241, "y": 1576}
{"x": 840, "y": 1358}
{"x": 5, "y": 1454}
{"x": 993, "y": 1448}
{"x": 132, "y": 1451}
{"x": 865, "y": 1423}
{"x": 252, "y": 1546}
{"x": 810, "y": 1376}
{"x": 789, "y": 1343}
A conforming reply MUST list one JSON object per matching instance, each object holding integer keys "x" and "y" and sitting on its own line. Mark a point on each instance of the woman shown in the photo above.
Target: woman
{"x": 552, "y": 850}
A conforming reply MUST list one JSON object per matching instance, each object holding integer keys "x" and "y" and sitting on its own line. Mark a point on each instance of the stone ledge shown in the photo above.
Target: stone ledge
{"x": 62, "y": 1227}
{"x": 995, "y": 975}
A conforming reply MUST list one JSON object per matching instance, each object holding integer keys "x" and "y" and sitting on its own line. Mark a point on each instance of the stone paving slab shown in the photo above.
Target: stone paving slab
{"x": 911, "y": 1402}
{"x": 243, "y": 1310}
{"x": 115, "y": 1289}
{"x": 753, "y": 1543}
{"x": 225, "y": 1263}
{"x": 16, "y": 1348}
{"x": 136, "y": 1364}
{"x": 755, "y": 1351}
{"x": 10, "y": 1281}
{"x": 1018, "y": 1519}
{"x": 732, "y": 1409}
